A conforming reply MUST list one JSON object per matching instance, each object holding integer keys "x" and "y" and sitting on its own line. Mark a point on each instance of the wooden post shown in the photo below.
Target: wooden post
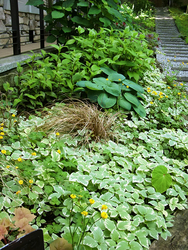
{"x": 41, "y": 27}
{"x": 15, "y": 26}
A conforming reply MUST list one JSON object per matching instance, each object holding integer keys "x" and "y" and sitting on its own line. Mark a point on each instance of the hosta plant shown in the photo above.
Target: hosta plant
{"x": 114, "y": 90}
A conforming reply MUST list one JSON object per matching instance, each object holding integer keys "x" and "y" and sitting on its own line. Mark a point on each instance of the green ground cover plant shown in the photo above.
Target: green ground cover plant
{"x": 93, "y": 178}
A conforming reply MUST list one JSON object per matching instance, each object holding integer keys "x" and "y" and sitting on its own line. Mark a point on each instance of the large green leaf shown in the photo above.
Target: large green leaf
{"x": 161, "y": 180}
{"x": 94, "y": 10}
{"x": 66, "y": 29}
{"x": 82, "y": 83}
{"x": 93, "y": 86}
{"x": 80, "y": 20}
{"x": 101, "y": 81}
{"x": 105, "y": 20}
{"x": 107, "y": 70}
{"x": 140, "y": 110}
{"x": 93, "y": 95}
{"x": 124, "y": 104}
{"x": 68, "y": 4}
{"x": 131, "y": 98}
{"x": 51, "y": 39}
{"x": 106, "y": 101}
{"x": 133, "y": 85}
{"x": 113, "y": 89}
{"x": 116, "y": 77}
{"x": 35, "y": 2}
{"x": 57, "y": 14}
{"x": 82, "y": 3}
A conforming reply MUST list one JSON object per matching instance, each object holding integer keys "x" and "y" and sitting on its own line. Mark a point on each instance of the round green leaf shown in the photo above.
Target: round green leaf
{"x": 57, "y": 14}
{"x": 161, "y": 180}
{"x": 106, "y": 101}
{"x": 116, "y": 77}
{"x": 50, "y": 39}
{"x": 113, "y": 89}
{"x": 93, "y": 86}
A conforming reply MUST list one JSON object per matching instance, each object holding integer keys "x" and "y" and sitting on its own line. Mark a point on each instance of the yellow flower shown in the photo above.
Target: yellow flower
{"x": 59, "y": 151}
{"x": 18, "y": 192}
{"x": 1, "y": 137}
{"x": 181, "y": 84}
{"x": 13, "y": 115}
{"x": 33, "y": 153}
{"x": 159, "y": 99}
{"x": 174, "y": 56}
{"x": 104, "y": 207}
{"x": 183, "y": 63}
{"x": 85, "y": 213}
{"x": 179, "y": 93}
{"x": 3, "y": 151}
{"x": 15, "y": 120}
{"x": 168, "y": 60}
{"x": 174, "y": 85}
{"x": 16, "y": 167}
{"x": 92, "y": 201}
{"x": 127, "y": 86}
{"x": 168, "y": 87}
{"x": 119, "y": 79}
{"x": 175, "y": 60}
{"x": 107, "y": 79}
{"x": 151, "y": 102}
{"x": 166, "y": 96}
{"x": 184, "y": 96}
{"x": 2, "y": 133}
{"x": 80, "y": 196}
{"x": 57, "y": 133}
{"x": 20, "y": 182}
{"x": 161, "y": 93}
{"x": 30, "y": 181}
{"x": 148, "y": 90}
{"x": 7, "y": 166}
{"x": 104, "y": 215}
{"x": 2, "y": 124}
{"x": 73, "y": 196}
{"x": 19, "y": 159}
{"x": 1, "y": 128}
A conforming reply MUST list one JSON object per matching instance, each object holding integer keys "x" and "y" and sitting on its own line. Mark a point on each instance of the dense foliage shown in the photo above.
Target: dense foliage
{"x": 112, "y": 180}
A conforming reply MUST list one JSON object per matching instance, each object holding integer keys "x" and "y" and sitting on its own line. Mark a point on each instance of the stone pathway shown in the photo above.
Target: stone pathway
{"x": 172, "y": 53}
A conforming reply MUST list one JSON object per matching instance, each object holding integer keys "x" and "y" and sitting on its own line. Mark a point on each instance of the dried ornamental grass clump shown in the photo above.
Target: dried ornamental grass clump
{"x": 77, "y": 117}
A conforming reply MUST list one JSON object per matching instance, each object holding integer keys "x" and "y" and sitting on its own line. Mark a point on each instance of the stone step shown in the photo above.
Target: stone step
{"x": 177, "y": 51}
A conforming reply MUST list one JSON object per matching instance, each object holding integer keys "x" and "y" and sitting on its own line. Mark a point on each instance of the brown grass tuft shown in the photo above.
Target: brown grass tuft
{"x": 78, "y": 117}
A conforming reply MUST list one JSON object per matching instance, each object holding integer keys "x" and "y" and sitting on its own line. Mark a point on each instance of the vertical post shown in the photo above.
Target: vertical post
{"x": 15, "y": 26}
{"x": 41, "y": 27}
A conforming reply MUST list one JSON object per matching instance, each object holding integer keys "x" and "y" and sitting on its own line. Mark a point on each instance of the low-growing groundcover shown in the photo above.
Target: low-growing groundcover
{"x": 106, "y": 188}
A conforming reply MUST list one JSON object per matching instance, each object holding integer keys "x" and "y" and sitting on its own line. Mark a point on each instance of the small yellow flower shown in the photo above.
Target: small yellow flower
{"x": 1, "y": 137}
{"x": 159, "y": 99}
{"x": 107, "y": 79}
{"x": 15, "y": 120}
{"x": 119, "y": 79}
{"x": 181, "y": 84}
{"x": 18, "y": 192}
{"x": 20, "y": 182}
{"x": 175, "y": 60}
{"x": 3, "y": 151}
{"x": 1, "y": 128}
{"x": 161, "y": 93}
{"x": 73, "y": 196}
{"x": 169, "y": 87}
{"x": 184, "y": 96}
{"x": 80, "y": 196}
{"x": 166, "y": 96}
{"x": 183, "y": 63}
{"x": 20, "y": 159}
{"x": 127, "y": 86}
{"x": 57, "y": 133}
{"x": 33, "y": 154}
{"x": 104, "y": 207}
{"x": 174, "y": 56}
{"x": 151, "y": 102}
{"x": 7, "y": 166}
{"x": 13, "y": 115}
{"x": 104, "y": 215}
{"x": 148, "y": 90}
{"x": 2, "y": 133}
{"x": 2, "y": 124}
{"x": 92, "y": 201}
{"x": 179, "y": 93}
{"x": 85, "y": 213}
{"x": 16, "y": 167}
{"x": 168, "y": 60}
{"x": 59, "y": 151}
{"x": 174, "y": 85}
{"x": 30, "y": 181}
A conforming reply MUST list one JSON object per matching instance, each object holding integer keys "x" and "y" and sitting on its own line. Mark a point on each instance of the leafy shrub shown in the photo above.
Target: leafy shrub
{"x": 114, "y": 89}
{"x": 73, "y": 13}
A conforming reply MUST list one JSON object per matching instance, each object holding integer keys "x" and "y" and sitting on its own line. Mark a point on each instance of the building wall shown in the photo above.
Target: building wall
{"x": 27, "y": 22}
